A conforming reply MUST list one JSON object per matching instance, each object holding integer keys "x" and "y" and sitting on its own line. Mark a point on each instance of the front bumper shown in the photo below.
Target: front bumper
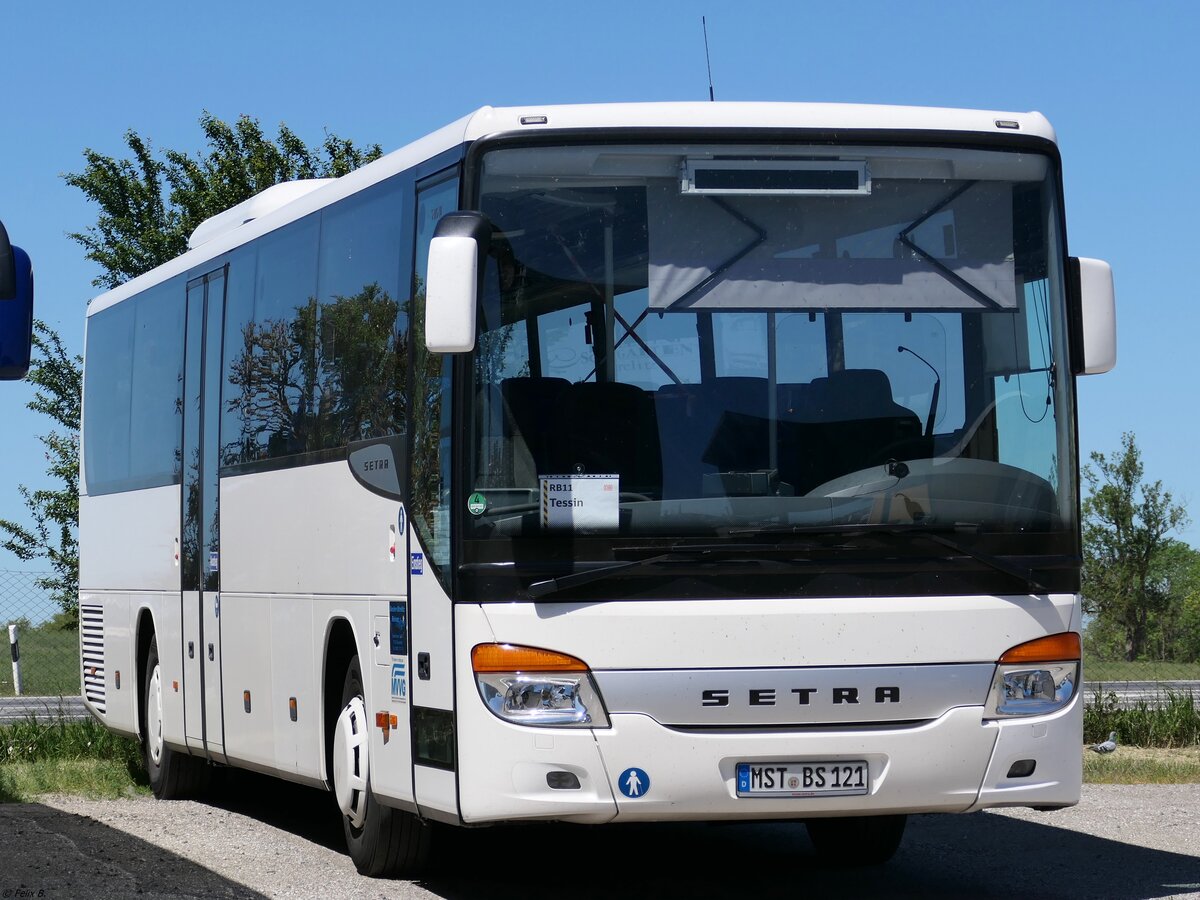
{"x": 955, "y": 763}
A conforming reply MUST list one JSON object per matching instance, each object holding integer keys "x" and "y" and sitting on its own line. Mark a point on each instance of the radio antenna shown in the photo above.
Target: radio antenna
{"x": 707, "y": 61}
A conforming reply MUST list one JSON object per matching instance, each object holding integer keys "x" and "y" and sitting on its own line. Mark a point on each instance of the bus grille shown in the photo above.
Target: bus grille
{"x": 91, "y": 627}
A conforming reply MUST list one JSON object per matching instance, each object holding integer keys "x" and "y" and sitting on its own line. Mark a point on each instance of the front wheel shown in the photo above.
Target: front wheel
{"x": 173, "y": 775}
{"x": 382, "y": 841}
{"x": 857, "y": 840}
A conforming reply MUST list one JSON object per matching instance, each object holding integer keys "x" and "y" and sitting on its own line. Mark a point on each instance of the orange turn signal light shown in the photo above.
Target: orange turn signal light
{"x": 1052, "y": 648}
{"x": 511, "y": 658}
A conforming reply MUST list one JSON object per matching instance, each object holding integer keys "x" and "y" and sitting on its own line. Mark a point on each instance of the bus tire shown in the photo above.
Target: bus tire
{"x": 857, "y": 840}
{"x": 385, "y": 842}
{"x": 173, "y": 775}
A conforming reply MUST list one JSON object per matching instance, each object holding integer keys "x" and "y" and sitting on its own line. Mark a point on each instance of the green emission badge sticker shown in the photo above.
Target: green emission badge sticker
{"x": 477, "y": 504}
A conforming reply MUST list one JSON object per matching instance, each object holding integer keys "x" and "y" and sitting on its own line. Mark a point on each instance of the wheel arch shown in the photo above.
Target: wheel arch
{"x": 144, "y": 634}
{"x": 339, "y": 648}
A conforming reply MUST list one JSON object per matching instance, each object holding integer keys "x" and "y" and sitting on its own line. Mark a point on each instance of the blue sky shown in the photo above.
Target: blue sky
{"x": 1119, "y": 82}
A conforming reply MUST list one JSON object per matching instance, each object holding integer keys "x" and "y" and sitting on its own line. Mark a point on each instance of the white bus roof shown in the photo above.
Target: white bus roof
{"x": 823, "y": 116}
{"x": 212, "y": 240}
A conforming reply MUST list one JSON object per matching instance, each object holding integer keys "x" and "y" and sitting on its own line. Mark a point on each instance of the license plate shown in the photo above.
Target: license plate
{"x": 803, "y": 779}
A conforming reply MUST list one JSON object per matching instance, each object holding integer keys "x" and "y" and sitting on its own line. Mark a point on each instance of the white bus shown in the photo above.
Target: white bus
{"x": 608, "y": 463}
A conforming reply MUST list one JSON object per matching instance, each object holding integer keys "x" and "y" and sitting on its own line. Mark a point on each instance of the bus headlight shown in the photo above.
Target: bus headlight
{"x": 1035, "y": 678}
{"x": 528, "y": 686}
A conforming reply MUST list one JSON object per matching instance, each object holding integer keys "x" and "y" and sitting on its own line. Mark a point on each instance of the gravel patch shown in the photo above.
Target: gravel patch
{"x": 260, "y": 838}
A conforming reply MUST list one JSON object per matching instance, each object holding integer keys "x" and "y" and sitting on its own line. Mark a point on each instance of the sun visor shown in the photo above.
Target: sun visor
{"x": 839, "y": 252}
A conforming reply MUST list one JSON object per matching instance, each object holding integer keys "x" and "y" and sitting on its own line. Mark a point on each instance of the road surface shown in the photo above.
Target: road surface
{"x": 268, "y": 839}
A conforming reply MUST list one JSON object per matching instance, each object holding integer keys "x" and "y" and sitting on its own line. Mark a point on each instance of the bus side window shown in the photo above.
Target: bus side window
{"x": 133, "y": 392}
{"x": 429, "y": 403}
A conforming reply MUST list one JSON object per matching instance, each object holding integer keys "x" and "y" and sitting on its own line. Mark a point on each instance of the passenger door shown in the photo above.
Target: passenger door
{"x": 432, "y": 648}
{"x": 200, "y": 556}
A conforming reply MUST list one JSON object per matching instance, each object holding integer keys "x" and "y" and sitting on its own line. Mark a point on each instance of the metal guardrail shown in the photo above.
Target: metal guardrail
{"x": 1131, "y": 694}
{"x": 43, "y": 709}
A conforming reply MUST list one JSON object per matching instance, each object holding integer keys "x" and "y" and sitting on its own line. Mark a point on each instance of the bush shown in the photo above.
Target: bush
{"x": 35, "y": 741}
{"x": 1175, "y": 723}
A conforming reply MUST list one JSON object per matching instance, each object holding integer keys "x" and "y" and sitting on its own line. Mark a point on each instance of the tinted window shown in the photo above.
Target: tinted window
{"x": 132, "y": 392}
{"x": 238, "y": 442}
{"x": 155, "y": 411}
{"x": 272, "y": 371}
{"x": 315, "y": 338}
{"x": 360, "y": 355}
{"x": 431, "y": 421}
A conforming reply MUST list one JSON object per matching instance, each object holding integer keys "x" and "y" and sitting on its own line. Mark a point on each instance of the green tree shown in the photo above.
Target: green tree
{"x": 1126, "y": 521}
{"x": 149, "y": 206}
{"x": 1173, "y": 632}
{"x": 53, "y": 511}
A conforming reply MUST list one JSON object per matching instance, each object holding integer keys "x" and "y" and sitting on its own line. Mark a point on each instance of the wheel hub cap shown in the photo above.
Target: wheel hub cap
{"x": 350, "y": 761}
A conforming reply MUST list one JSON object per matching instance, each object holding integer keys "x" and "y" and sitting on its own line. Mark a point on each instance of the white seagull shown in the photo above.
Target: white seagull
{"x": 1107, "y": 746}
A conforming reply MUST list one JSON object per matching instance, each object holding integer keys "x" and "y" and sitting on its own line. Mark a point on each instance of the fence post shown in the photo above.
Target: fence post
{"x": 16, "y": 658}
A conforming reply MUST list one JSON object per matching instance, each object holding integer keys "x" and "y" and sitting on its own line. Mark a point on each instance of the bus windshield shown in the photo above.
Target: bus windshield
{"x": 704, "y": 340}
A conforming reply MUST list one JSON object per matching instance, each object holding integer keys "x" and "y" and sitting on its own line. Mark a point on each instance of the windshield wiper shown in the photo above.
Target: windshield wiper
{"x": 540, "y": 589}
{"x": 1021, "y": 573}
{"x": 934, "y": 533}
{"x": 694, "y": 553}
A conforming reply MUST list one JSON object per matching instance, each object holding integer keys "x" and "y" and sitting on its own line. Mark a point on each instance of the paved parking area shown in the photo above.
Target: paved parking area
{"x": 268, "y": 839}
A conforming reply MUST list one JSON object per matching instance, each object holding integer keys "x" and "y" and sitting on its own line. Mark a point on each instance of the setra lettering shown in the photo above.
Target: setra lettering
{"x": 804, "y": 696}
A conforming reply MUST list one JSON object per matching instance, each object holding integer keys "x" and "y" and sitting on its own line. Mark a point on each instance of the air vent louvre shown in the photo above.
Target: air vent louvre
{"x": 91, "y": 629}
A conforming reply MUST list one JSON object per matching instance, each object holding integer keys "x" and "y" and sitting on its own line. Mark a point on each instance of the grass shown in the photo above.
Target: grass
{"x": 49, "y": 663}
{"x": 1140, "y": 670}
{"x": 33, "y": 741}
{"x": 1143, "y": 765}
{"x": 61, "y": 756}
{"x": 1174, "y": 723}
{"x": 98, "y": 779}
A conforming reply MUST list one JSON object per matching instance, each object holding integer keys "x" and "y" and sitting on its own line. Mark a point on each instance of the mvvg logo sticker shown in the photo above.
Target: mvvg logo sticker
{"x": 399, "y": 682}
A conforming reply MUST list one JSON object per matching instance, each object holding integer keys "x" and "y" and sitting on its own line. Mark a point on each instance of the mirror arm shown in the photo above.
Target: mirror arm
{"x": 8, "y": 267}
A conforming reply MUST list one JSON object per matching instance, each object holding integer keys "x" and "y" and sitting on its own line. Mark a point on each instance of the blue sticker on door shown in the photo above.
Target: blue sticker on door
{"x": 399, "y": 627}
{"x": 634, "y": 783}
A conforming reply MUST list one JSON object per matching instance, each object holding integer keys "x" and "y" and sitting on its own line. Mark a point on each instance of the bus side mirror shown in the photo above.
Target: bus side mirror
{"x": 1094, "y": 307}
{"x": 454, "y": 281}
{"x": 16, "y": 310}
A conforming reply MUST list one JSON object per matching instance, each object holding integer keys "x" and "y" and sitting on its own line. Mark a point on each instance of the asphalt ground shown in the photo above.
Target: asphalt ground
{"x": 261, "y": 838}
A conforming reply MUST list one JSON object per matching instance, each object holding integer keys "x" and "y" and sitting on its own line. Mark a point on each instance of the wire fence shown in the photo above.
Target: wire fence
{"x": 40, "y": 675}
{"x": 48, "y": 642}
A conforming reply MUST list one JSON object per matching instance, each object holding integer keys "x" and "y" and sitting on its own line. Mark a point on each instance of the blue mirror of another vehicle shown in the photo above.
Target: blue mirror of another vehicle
{"x": 16, "y": 310}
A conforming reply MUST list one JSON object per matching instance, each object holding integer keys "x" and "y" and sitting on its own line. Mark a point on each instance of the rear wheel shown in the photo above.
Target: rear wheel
{"x": 173, "y": 775}
{"x": 857, "y": 840}
{"x": 382, "y": 841}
